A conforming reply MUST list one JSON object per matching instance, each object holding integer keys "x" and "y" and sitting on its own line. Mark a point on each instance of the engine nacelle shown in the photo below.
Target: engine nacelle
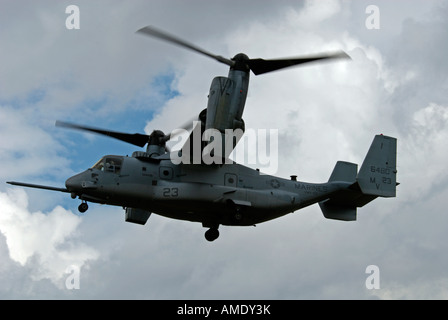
{"x": 226, "y": 102}
{"x": 224, "y": 110}
{"x": 219, "y": 113}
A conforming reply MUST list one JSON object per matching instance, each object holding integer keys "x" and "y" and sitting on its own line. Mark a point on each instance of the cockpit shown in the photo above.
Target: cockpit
{"x": 109, "y": 164}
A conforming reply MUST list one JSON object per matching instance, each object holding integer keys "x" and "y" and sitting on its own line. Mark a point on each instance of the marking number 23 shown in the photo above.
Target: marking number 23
{"x": 170, "y": 192}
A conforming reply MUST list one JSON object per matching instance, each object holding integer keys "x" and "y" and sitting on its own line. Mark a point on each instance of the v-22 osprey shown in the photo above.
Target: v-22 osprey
{"x": 223, "y": 193}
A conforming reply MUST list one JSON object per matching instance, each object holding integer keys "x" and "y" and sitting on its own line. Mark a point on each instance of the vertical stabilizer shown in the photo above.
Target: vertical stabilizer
{"x": 340, "y": 207}
{"x": 378, "y": 173}
{"x": 344, "y": 171}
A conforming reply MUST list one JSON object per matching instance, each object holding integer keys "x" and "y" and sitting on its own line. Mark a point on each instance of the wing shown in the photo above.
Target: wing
{"x": 37, "y": 186}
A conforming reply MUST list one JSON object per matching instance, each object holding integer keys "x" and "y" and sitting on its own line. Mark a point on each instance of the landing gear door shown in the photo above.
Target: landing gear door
{"x": 230, "y": 180}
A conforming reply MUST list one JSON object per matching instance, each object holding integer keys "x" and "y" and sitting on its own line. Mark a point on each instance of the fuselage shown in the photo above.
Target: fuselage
{"x": 228, "y": 194}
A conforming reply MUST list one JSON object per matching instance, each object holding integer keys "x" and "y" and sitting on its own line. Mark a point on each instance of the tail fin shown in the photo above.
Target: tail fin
{"x": 341, "y": 206}
{"x": 344, "y": 171}
{"x": 378, "y": 173}
{"x": 376, "y": 178}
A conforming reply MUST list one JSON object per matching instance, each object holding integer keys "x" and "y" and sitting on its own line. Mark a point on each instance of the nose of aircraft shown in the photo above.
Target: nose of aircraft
{"x": 73, "y": 184}
{"x": 81, "y": 182}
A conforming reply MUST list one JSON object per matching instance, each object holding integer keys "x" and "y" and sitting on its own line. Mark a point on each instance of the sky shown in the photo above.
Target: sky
{"x": 105, "y": 75}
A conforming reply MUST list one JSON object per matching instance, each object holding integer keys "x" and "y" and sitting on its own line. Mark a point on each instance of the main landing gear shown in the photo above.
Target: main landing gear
{"x": 212, "y": 234}
{"x": 83, "y": 207}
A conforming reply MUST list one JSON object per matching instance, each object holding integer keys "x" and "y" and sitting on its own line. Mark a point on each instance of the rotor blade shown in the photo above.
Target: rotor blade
{"x": 151, "y": 31}
{"x": 38, "y": 186}
{"x": 187, "y": 126}
{"x": 260, "y": 66}
{"x": 136, "y": 139}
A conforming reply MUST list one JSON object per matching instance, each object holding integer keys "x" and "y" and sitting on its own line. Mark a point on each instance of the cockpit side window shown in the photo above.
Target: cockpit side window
{"x": 113, "y": 165}
{"x": 99, "y": 165}
{"x": 109, "y": 164}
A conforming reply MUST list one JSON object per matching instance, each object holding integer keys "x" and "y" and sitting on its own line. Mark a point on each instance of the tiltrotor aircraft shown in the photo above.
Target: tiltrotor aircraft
{"x": 223, "y": 193}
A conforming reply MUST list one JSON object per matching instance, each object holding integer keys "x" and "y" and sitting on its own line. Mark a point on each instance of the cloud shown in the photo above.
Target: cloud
{"x": 430, "y": 133}
{"x": 415, "y": 290}
{"x": 26, "y": 149}
{"x": 46, "y": 241}
{"x": 314, "y": 13}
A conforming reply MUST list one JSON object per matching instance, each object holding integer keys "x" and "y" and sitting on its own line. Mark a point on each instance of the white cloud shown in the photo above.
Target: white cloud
{"x": 46, "y": 241}
{"x": 415, "y": 289}
{"x": 26, "y": 149}
{"x": 425, "y": 146}
{"x": 315, "y": 12}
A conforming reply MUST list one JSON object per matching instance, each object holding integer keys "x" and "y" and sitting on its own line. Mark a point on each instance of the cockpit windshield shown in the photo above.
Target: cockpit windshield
{"x": 109, "y": 164}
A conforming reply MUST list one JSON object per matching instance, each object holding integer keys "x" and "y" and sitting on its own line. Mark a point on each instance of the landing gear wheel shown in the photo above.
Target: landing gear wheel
{"x": 212, "y": 234}
{"x": 83, "y": 207}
